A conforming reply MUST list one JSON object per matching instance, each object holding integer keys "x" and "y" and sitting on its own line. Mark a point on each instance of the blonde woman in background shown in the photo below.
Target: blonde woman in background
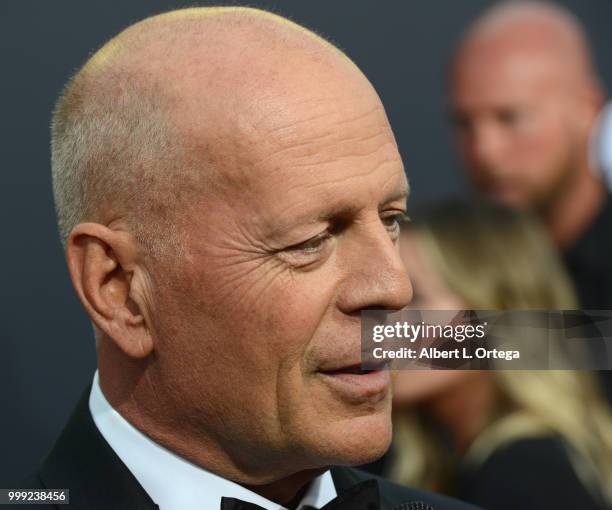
{"x": 500, "y": 439}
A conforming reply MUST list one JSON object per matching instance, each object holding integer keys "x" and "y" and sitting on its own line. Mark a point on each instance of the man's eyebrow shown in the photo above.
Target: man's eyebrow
{"x": 335, "y": 210}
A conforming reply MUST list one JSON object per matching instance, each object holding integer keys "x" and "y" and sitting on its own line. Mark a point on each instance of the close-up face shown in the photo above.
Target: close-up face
{"x": 430, "y": 292}
{"x": 258, "y": 324}
{"x": 517, "y": 127}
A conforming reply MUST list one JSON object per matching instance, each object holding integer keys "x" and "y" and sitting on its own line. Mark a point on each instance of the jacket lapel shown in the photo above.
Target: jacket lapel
{"x": 81, "y": 460}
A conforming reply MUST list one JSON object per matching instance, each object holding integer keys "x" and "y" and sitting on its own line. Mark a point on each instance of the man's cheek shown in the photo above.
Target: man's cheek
{"x": 300, "y": 302}
{"x": 234, "y": 286}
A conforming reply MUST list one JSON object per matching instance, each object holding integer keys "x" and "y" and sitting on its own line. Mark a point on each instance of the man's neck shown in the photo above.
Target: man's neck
{"x": 127, "y": 387}
{"x": 570, "y": 215}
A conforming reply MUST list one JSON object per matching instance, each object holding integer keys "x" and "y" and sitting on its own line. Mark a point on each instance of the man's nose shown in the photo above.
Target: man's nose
{"x": 376, "y": 276}
{"x": 486, "y": 146}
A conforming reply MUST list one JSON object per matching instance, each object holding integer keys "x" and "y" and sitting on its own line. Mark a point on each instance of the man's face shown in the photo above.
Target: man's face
{"x": 516, "y": 125}
{"x": 258, "y": 324}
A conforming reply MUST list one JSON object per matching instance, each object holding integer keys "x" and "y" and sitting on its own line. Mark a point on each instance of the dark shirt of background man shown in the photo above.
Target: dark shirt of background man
{"x": 589, "y": 261}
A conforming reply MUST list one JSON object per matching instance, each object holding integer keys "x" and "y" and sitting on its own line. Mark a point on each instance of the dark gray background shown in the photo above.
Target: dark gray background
{"x": 47, "y": 350}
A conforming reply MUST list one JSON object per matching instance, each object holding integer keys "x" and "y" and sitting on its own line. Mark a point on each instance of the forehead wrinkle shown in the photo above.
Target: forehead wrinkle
{"x": 259, "y": 154}
{"x": 354, "y": 155}
{"x": 275, "y": 111}
{"x": 339, "y": 180}
{"x": 313, "y": 153}
{"x": 317, "y": 170}
{"x": 292, "y": 124}
{"x": 308, "y": 137}
{"x": 242, "y": 141}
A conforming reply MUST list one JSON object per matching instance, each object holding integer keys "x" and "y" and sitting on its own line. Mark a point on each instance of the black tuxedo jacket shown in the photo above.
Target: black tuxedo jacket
{"x": 83, "y": 462}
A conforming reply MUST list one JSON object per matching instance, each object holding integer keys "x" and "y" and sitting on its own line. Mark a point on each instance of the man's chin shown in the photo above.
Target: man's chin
{"x": 509, "y": 197}
{"x": 358, "y": 440}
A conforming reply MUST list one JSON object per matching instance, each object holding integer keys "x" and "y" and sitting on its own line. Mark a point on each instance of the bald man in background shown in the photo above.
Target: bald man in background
{"x": 525, "y": 98}
{"x": 228, "y": 191}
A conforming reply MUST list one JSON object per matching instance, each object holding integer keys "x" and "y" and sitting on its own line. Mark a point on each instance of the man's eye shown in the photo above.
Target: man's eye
{"x": 510, "y": 118}
{"x": 312, "y": 245}
{"x": 392, "y": 222}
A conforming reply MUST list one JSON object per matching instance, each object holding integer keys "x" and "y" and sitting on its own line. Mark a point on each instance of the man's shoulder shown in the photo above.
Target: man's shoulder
{"x": 84, "y": 463}
{"x": 395, "y": 494}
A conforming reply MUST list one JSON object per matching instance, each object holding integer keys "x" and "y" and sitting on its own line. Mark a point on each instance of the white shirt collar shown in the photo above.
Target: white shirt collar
{"x": 173, "y": 482}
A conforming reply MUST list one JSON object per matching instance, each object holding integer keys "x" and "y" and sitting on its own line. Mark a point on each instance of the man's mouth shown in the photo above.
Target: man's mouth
{"x": 356, "y": 369}
{"x": 357, "y": 382}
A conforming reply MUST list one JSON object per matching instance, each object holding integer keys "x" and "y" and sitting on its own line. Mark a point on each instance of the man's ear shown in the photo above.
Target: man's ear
{"x": 102, "y": 265}
{"x": 591, "y": 102}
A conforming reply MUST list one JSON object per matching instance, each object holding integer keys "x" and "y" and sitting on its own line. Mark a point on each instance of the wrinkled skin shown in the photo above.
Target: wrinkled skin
{"x": 226, "y": 353}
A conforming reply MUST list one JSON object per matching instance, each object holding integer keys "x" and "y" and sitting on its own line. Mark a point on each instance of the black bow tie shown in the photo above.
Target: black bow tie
{"x": 363, "y": 496}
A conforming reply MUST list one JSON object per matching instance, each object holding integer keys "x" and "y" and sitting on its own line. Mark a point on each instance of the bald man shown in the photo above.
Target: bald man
{"x": 525, "y": 98}
{"x": 228, "y": 191}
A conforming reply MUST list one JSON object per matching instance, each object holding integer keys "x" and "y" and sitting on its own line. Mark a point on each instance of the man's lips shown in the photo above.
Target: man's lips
{"x": 355, "y": 368}
{"x": 356, "y": 383}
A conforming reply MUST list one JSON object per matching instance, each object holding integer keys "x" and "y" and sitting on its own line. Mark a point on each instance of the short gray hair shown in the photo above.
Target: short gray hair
{"x": 112, "y": 142}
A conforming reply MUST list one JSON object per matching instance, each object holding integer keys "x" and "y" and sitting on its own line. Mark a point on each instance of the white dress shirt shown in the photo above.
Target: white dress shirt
{"x": 173, "y": 482}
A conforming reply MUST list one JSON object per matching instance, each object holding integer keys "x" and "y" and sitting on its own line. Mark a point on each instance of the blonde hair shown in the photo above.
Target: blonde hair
{"x": 496, "y": 258}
